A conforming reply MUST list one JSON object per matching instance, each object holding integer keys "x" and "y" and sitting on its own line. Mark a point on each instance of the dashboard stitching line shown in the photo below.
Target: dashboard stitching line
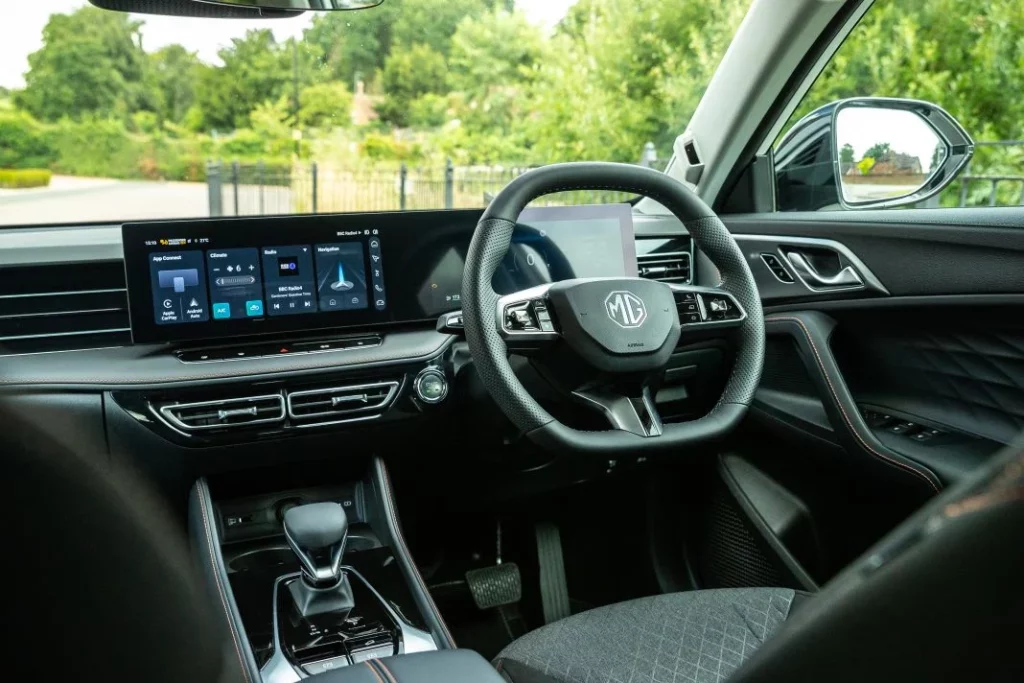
{"x": 188, "y": 378}
{"x": 392, "y": 512}
{"x": 846, "y": 418}
{"x": 203, "y": 492}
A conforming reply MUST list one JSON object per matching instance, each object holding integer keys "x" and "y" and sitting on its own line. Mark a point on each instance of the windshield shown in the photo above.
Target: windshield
{"x": 415, "y": 104}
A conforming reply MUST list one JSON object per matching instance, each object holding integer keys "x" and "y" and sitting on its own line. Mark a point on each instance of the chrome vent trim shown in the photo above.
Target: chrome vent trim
{"x": 676, "y": 266}
{"x": 229, "y": 413}
{"x": 342, "y": 401}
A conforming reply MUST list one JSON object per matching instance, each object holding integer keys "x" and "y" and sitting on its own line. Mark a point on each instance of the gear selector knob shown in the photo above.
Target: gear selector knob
{"x": 316, "y": 533}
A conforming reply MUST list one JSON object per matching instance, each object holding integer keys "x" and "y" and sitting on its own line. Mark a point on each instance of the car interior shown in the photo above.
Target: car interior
{"x": 750, "y": 425}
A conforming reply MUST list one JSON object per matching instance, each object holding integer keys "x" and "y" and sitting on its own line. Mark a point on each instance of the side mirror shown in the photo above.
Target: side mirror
{"x": 869, "y": 152}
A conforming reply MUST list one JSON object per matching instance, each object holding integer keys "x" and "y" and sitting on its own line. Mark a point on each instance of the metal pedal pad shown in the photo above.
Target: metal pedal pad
{"x": 495, "y": 586}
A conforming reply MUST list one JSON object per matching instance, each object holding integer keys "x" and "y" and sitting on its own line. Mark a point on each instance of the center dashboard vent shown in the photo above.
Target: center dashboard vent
{"x": 665, "y": 266}
{"x": 63, "y": 307}
{"x": 356, "y": 401}
{"x": 226, "y": 413}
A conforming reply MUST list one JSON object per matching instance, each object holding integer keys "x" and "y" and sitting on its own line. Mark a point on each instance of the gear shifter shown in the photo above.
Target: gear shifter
{"x": 317, "y": 534}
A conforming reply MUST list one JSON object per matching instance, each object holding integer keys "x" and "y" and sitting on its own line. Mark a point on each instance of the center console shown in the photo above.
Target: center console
{"x": 314, "y": 579}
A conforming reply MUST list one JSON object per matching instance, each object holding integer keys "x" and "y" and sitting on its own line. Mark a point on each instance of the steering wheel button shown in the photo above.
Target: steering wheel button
{"x": 689, "y": 318}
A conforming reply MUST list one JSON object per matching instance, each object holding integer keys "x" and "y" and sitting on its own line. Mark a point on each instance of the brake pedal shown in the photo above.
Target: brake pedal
{"x": 495, "y": 586}
{"x": 554, "y": 591}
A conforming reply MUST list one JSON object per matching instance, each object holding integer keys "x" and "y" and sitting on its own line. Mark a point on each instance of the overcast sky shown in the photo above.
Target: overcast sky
{"x": 21, "y": 31}
{"x": 905, "y": 131}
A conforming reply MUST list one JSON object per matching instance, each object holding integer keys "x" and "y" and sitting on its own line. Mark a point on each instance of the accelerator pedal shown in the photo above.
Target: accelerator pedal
{"x": 554, "y": 592}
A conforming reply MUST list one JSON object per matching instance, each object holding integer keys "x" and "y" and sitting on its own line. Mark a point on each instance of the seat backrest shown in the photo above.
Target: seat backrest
{"x": 100, "y": 584}
{"x": 939, "y": 599}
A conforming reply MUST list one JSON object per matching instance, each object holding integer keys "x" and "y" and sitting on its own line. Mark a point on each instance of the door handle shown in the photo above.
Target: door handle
{"x": 848, "y": 277}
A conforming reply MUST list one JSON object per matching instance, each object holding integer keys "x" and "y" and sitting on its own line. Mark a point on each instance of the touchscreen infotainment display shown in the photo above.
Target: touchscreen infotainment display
{"x": 190, "y": 280}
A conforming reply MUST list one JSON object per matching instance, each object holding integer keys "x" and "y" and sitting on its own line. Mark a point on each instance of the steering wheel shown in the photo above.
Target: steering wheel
{"x": 624, "y": 329}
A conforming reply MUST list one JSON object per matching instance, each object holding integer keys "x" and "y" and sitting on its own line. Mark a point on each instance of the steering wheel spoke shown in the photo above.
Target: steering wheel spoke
{"x": 634, "y": 414}
{"x": 707, "y": 308}
{"x": 525, "y": 320}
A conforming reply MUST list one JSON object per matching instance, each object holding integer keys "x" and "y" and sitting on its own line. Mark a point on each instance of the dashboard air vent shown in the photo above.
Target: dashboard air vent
{"x": 63, "y": 307}
{"x": 666, "y": 267}
{"x": 341, "y": 402}
{"x": 226, "y": 413}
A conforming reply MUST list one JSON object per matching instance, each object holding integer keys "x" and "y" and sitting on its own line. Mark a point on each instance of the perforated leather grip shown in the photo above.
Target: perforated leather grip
{"x": 490, "y": 244}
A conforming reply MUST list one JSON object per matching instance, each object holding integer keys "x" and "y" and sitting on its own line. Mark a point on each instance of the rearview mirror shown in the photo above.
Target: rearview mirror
{"x": 890, "y": 152}
{"x": 300, "y": 5}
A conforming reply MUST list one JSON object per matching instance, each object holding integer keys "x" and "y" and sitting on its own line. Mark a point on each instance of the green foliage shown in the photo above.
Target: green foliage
{"x": 325, "y": 105}
{"x": 380, "y": 147}
{"x": 91, "y": 63}
{"x": 967, "y": 57}
{"x": 23, "y": 142}
{"x": 846, "y": 153}
{"x": 255, "y": 70}
{"x": 173, "y": 71}
{"x": 23, "y": 178}
{"x": 408, "y": 75}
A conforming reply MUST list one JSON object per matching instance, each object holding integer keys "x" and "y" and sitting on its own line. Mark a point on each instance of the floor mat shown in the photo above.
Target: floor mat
{"x": 485, "y": 631}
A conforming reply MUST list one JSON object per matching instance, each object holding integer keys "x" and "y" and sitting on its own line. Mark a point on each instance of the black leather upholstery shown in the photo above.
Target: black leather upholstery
{"x": 447, "y": 666}
{"x": 205, "y": 535}
{"x": 316, "y": 525}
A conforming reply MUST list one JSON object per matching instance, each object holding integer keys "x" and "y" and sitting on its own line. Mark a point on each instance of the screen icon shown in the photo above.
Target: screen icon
{"x": 221, "y": 311}
{"x": 288, "y": 266}
{"x": 341, "y": 275}
{"x": 254, "y": 308}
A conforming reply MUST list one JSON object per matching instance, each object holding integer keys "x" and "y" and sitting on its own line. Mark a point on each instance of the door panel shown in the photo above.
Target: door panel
{"x": 934, "y": 339}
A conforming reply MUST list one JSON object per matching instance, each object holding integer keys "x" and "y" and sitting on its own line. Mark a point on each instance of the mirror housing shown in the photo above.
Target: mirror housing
{"x": 813, "y": 170}
{"x": 299, "y": 5}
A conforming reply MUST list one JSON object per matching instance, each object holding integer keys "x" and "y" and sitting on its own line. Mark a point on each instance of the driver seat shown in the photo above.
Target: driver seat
{"x": 694, "y": 636}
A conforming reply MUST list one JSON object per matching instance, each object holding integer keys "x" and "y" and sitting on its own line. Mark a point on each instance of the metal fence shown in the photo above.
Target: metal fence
{"x": 993, "y": 189}
{"x": 262, "y": 189}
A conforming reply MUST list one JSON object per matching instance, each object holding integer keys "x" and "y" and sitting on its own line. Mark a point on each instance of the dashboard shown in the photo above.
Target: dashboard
{"x": 207, "y": 279}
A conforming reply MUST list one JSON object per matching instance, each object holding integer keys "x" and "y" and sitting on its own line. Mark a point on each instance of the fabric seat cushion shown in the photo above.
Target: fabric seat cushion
{"x": 699, "y": 636}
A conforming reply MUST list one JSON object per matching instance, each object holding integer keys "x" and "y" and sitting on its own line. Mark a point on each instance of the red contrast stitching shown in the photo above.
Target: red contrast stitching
{"x": 814, "y": 347}
{"x": 216, "y": 580}
{"x": 387, "y": 672}
{"x": 373, "y": 671}
{"x": 392, "y": 511}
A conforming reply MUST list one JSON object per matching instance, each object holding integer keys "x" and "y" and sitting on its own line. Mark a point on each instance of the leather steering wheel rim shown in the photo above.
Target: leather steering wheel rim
{"x": 491, "y": 241}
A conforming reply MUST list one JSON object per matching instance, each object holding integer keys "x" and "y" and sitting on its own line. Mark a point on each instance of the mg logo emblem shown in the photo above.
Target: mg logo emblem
{"x": 626, "y": 309}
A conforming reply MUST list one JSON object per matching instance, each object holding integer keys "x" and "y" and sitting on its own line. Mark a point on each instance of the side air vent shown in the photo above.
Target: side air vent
{"x": 666, "y": 267}
{"x": 228, "y": 413}
{"x": 63, "y": 307}
{"x": 354, "y": 401}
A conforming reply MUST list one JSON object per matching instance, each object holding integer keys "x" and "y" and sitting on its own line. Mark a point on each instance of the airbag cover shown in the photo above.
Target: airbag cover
{"x": 617, "y": 324}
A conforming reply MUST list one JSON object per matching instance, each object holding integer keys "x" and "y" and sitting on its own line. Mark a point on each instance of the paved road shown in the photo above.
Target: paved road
{"x": 85, "y": 200}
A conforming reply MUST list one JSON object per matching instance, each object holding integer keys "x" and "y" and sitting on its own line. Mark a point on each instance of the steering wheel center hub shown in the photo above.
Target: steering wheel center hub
{"x": 617, "y": 324}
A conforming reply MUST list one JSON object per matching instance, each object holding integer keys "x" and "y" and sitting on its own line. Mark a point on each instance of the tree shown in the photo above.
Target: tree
{"x": 255, "y": 70}
{"x": 408, "y": 75}
{"x": 326, "y": 105}
{"x": 173, "y": 71}
{"x": 91, "y": 62}
{"x": 353, "y": 45}
{"x": 846, "y": 153}
{"x": 879, "y": 150}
